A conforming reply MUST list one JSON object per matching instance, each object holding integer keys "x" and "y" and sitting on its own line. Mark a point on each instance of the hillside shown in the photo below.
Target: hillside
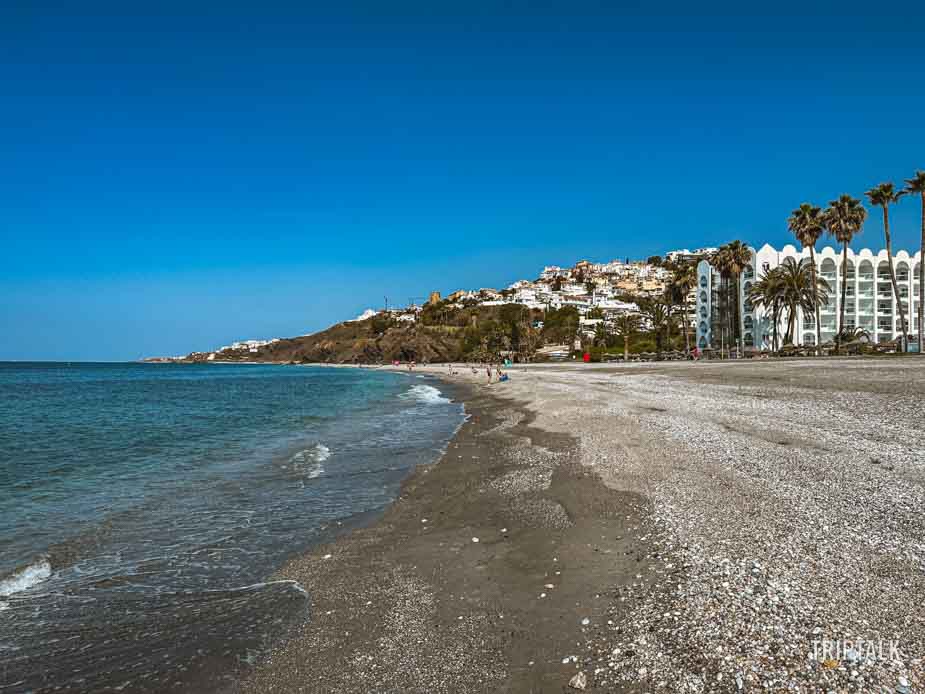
{"x": 365, "y": 342}
{"x": 441, "y": 332}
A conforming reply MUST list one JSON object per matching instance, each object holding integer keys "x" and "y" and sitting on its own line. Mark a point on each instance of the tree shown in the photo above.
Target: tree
{"x": 529, "y": 339}
{"x": 800, "y": 290}
{"x": 856, "y": 334}
{"x": 560, "y": 326}
{"x": 807, "y": 223}
{"x": 721, "y": 263}
{"x": 767, "y": 293}
{"x": 380, "y": 323}
{"x": 658, "y": 314}
{"x": 914, "y": 185}
{"x": 627, "y": 324}
{"x": 731, "y": 260}
{"x": 589, "y": 287}
{"x": 740, "y": 258}
{"x": 844, "y": 220}
{"x": 884, "y": 195}
{"x": 683, "y": 279}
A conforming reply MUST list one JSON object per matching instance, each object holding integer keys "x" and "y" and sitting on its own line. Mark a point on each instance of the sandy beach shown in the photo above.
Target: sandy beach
{"x": 673, "y": 527}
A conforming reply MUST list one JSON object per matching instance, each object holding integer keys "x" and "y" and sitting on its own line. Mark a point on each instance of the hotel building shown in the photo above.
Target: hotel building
{"x": 869, "y": 301}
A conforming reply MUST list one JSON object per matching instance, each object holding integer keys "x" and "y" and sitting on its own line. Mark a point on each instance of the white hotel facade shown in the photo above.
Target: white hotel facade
{"x": 869, "y": 301}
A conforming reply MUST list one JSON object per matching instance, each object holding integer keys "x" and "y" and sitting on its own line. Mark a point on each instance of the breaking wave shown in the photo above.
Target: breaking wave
{"x": 24, "y": 578}
{"x": 425, "y": 394}
{"x": 309, "y": 461}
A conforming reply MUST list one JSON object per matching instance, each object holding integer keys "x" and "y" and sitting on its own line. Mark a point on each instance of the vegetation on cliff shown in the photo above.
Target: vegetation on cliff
{"x": 440, "y": 333}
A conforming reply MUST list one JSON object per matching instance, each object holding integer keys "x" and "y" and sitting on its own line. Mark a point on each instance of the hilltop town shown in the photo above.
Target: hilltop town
{"x": 591, "y": 295}
{"x": 587, "y": 285}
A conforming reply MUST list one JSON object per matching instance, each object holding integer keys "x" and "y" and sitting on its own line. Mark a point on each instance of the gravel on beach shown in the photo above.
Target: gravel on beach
{"x": 706, "y": 527}
{"x": 786, "y": 519}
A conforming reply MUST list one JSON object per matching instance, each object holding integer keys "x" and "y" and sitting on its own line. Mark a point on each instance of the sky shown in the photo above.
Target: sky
{"x": 182, "y": 175}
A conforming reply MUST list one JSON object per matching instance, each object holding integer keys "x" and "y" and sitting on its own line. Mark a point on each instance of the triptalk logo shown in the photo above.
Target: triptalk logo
{"x": 837, "y": 650}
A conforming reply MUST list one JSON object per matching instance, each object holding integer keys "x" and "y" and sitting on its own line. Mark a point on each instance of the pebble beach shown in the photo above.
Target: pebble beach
{"x": 677, "y": 527}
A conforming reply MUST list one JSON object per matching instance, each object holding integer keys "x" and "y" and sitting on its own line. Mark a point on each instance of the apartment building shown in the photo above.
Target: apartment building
{"x": 869, "y": 300}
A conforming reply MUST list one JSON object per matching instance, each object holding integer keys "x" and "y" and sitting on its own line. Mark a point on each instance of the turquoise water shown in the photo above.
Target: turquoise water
{"x": 142, "y": 508}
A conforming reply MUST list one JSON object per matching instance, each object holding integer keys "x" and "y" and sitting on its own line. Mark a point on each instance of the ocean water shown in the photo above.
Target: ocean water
{"x": 143, "y": 508}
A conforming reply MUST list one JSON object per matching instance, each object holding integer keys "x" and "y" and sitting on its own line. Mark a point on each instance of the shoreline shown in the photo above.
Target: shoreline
{"x": 697, "y": 515}
{"x": 411, "y": 602}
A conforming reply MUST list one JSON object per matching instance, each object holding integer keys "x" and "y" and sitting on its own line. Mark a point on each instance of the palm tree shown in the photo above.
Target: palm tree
{"x": 807, "y": 224}
{"x": 800, "y": 290}
{"x": 767, "y": 293}
{"x": 730, "y": 261}
{"x": 657, "y": 313}
{"x": 844, "y": 219}
{"x": 884, "y": 196}
{"x": 683, "y": 279}
{"x": 721, "y": 262}
{"x": 914, "y": 185}
{"x": 855, "y": 335}
{"x": 626, "y": 324}
{"x": 740, "y": 257}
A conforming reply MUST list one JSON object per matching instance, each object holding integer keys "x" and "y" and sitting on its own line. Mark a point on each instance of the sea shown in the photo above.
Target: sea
{"x": 144, "y": 509}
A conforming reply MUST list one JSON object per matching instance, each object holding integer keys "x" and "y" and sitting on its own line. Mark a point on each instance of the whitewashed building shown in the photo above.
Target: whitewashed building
{"x": 552, "y": 271}
{"x": 869, "y": 300}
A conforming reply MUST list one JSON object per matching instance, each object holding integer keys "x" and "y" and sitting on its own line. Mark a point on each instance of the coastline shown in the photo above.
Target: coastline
{"x": 411, "y": 602}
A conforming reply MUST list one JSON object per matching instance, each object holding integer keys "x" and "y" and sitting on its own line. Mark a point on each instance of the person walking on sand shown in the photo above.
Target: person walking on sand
{"x": 488, "y": 370}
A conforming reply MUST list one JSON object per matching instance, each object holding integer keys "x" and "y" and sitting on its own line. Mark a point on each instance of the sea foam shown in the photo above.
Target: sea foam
{"x": 25, "y": 578}
{"x": 425, "y": 394}
{"x": 309, "y": 461}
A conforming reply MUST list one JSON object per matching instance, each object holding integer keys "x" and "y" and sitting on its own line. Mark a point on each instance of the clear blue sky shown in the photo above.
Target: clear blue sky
{"x": 181, "y": 176}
